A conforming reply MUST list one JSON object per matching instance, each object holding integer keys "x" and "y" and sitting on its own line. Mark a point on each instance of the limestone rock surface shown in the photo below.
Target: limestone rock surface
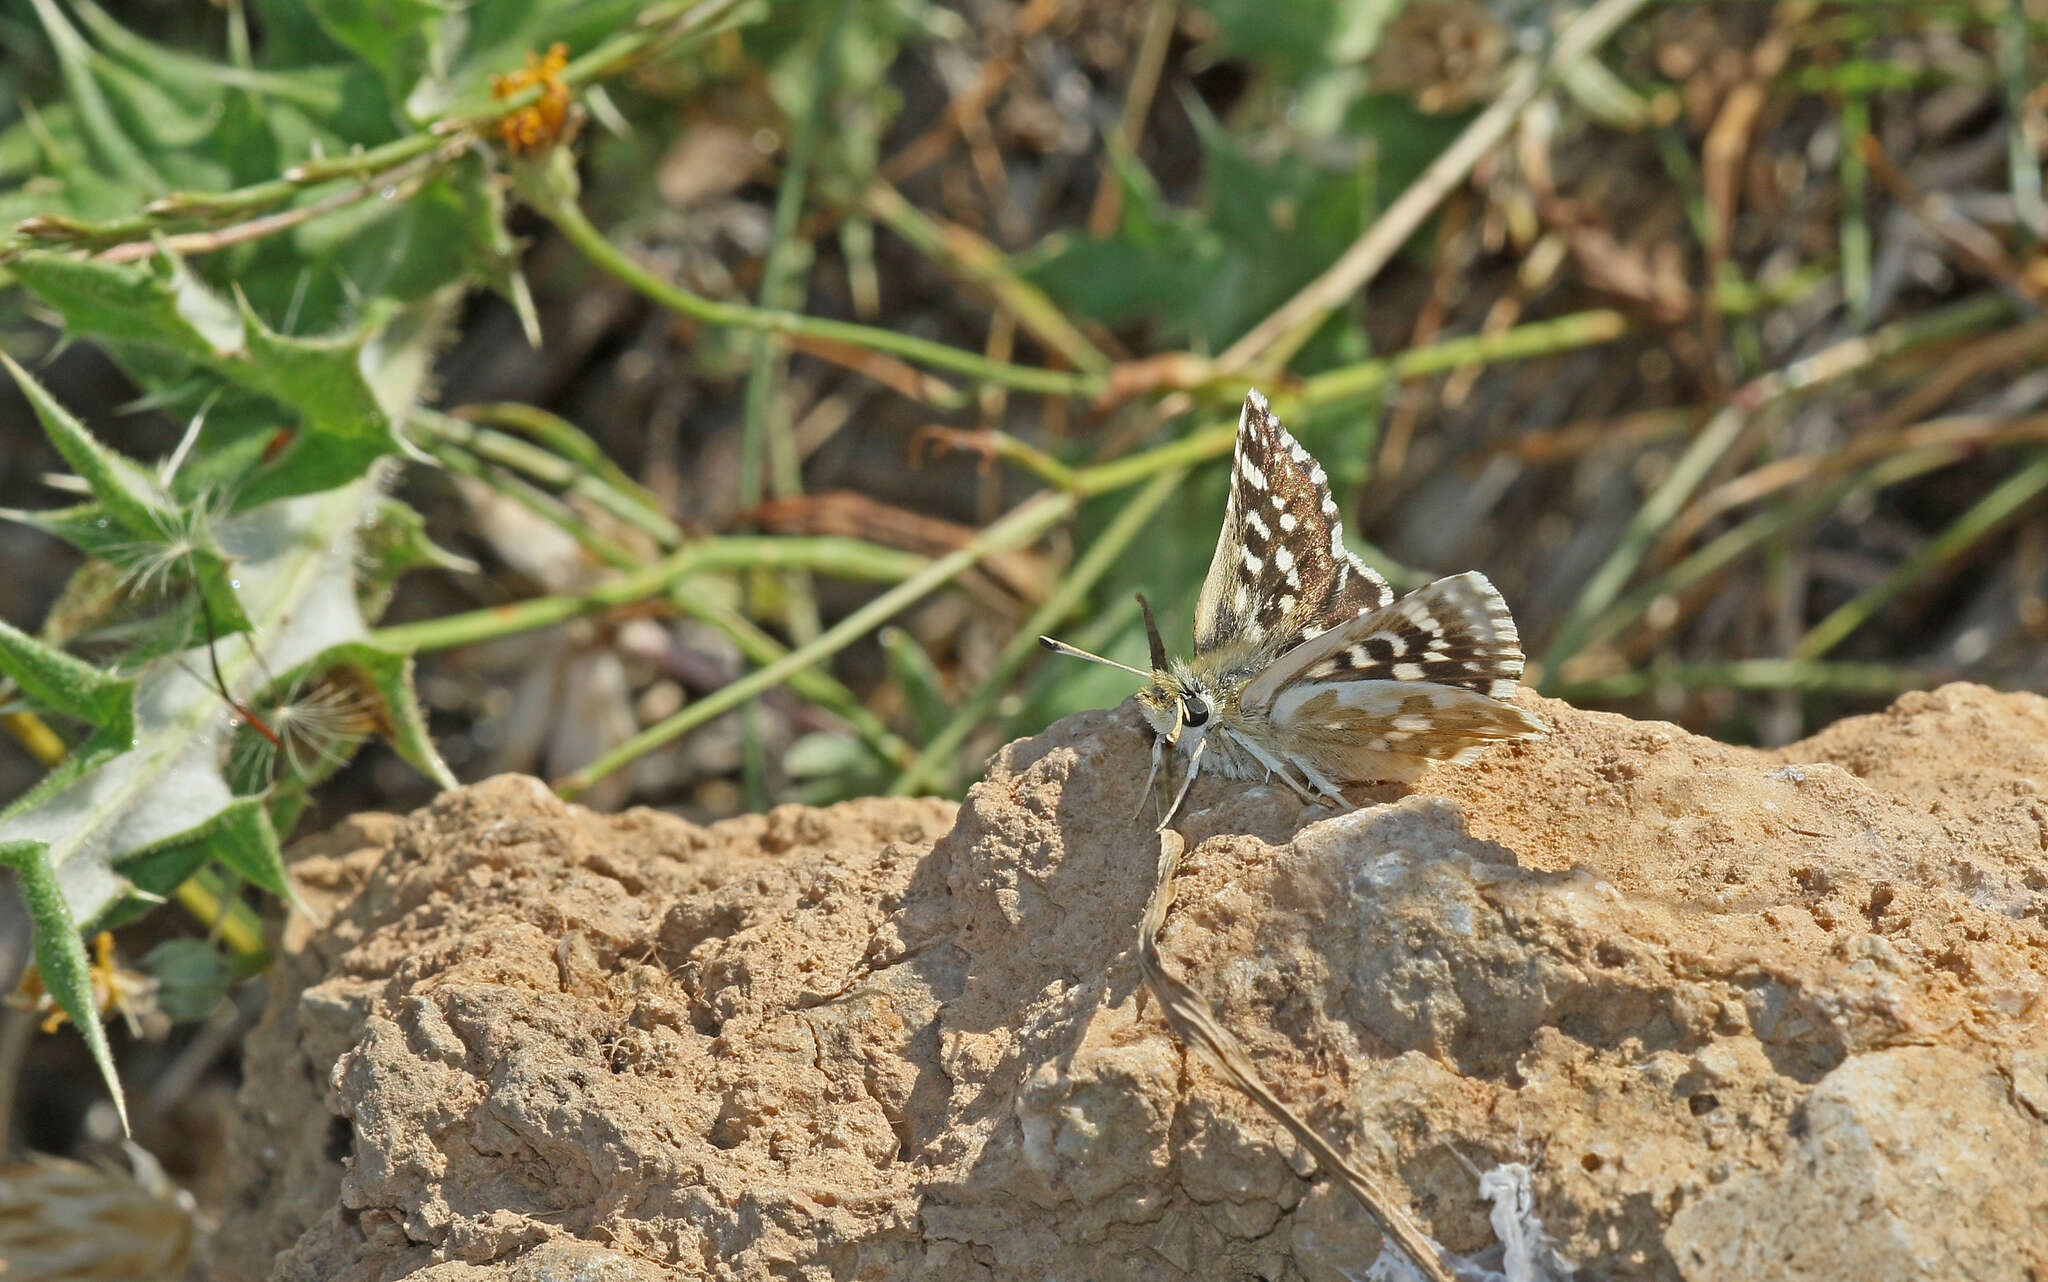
{"x": 1719, "y": 1012}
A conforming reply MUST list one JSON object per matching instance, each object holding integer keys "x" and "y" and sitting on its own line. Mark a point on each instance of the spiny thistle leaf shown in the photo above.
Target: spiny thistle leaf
{"x": 239, "y": 835}
{"x": 126, "y": 491}
{"x": 137, "y": 527}
{"x": 60, "y": 954}
{"x": 343, "y": 426}
{"x": 393, "y": 541}
{"x": 389, "y": 673}
{"x": 67, "y": 686}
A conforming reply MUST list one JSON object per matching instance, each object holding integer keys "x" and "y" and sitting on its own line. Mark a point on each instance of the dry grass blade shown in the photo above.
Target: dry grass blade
{"x": 898, "y": 376}
{"x": 1188, "y": 1015}
{"x": 1370, "y": 252}
{"x": 1962, "y": 434}
{"x": 1003, "y": 578}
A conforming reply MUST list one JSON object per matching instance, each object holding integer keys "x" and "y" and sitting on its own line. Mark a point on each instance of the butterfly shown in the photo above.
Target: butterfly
{"x": 1305, "y": 667}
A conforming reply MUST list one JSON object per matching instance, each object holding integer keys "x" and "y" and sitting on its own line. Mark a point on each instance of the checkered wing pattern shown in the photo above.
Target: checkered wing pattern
{"x": 1281, "y": 573}
{"x": 1426, "y": 678}
{"x": 1454, "y": 632}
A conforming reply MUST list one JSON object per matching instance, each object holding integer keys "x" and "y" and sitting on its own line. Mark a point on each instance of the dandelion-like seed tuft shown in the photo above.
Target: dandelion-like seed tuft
{"x": 313, "y": 728}
{"x": 161, "y": 565}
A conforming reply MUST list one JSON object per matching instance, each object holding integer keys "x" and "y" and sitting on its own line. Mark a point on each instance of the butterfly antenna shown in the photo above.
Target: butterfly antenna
{"x": 1152, "y": 635}
{"x": 1076, "y": 652}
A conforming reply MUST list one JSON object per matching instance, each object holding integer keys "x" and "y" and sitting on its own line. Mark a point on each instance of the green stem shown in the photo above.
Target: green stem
{"x": 543, "y": 505}
{"x": 1131, "y": 519}
{"x": 983, "y": 265}
{"x": 1539, "y": 338}
{"x": 814, "y": 684}
{"x": 1855, "y": 233}
{"x": 829, "y": 555}
{"x": 569, "y": 460}
{"x": 765, "y": 435}
{"x": 1024, "y": 523}
{"x": 568, "y": 218}
{"x": 2006, "y": 501}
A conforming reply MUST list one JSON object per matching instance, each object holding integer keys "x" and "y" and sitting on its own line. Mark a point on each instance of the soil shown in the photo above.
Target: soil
{"x": 1716, "y": 1011}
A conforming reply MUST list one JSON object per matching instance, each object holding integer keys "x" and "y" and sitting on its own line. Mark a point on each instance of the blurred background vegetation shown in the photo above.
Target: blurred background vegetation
{"x": 747, "y": 384}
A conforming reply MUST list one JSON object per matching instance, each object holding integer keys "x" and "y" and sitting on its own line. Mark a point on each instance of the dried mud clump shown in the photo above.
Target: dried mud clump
{"x": 1733, "y": 1013}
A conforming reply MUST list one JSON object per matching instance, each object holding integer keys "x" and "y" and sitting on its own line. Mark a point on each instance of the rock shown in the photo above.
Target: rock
{"x": 1704, "y": 1012}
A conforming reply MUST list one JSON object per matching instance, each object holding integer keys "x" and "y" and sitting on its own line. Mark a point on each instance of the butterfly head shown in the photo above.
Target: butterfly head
{"x": 1177, "y": 703}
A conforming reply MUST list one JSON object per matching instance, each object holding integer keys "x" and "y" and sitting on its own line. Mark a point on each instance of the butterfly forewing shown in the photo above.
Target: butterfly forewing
{"x": 1281, "y": 573}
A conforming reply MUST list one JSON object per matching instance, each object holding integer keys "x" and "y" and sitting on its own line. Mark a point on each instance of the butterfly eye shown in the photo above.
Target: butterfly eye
{"x": 1194, "y": 710}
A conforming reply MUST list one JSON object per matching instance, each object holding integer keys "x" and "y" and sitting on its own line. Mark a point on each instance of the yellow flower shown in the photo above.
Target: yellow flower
{"x": 539, "y": 124}
{"x": 114, "y": 988}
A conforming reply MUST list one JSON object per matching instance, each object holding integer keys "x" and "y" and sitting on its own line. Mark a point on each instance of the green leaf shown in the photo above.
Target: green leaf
{"x": 394, "y": 540}
{"x": 1300, "y": 36}
{"x": 110, "y": 144}
{"x": 126, "y": 491}
{"x": 158, "y": 306}
{"x": 60, "y": 955}
{"x": 192, "y": 977}
{"x": 398, "y": 39}
{"x": 343, "y": 425}
{"x": 238, "y": 835}
{"x": 173, "y": 539}
{"x": 67, "y": 686}
{"x": 199, "y": 81}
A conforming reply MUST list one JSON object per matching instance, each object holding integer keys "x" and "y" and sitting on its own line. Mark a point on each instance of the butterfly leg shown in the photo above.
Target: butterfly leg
{"x": 1328, "y": 790}
{"x": 1278, "y": 766}
{"x": 1194, "y": 763}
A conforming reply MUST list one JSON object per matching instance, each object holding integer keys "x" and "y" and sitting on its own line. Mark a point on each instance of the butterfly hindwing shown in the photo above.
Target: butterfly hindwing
{"x": 1281, "y": 573}
{"x": 1423, "y": 679}
{"x": 1455, "y": 632}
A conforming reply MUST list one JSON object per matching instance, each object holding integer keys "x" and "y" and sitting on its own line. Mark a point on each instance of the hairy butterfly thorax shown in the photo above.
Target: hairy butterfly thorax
{"x": 1305, "y": 667}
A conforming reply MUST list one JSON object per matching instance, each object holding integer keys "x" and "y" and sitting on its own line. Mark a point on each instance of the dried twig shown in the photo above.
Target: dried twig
{"x": 1189, "y": 1017}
